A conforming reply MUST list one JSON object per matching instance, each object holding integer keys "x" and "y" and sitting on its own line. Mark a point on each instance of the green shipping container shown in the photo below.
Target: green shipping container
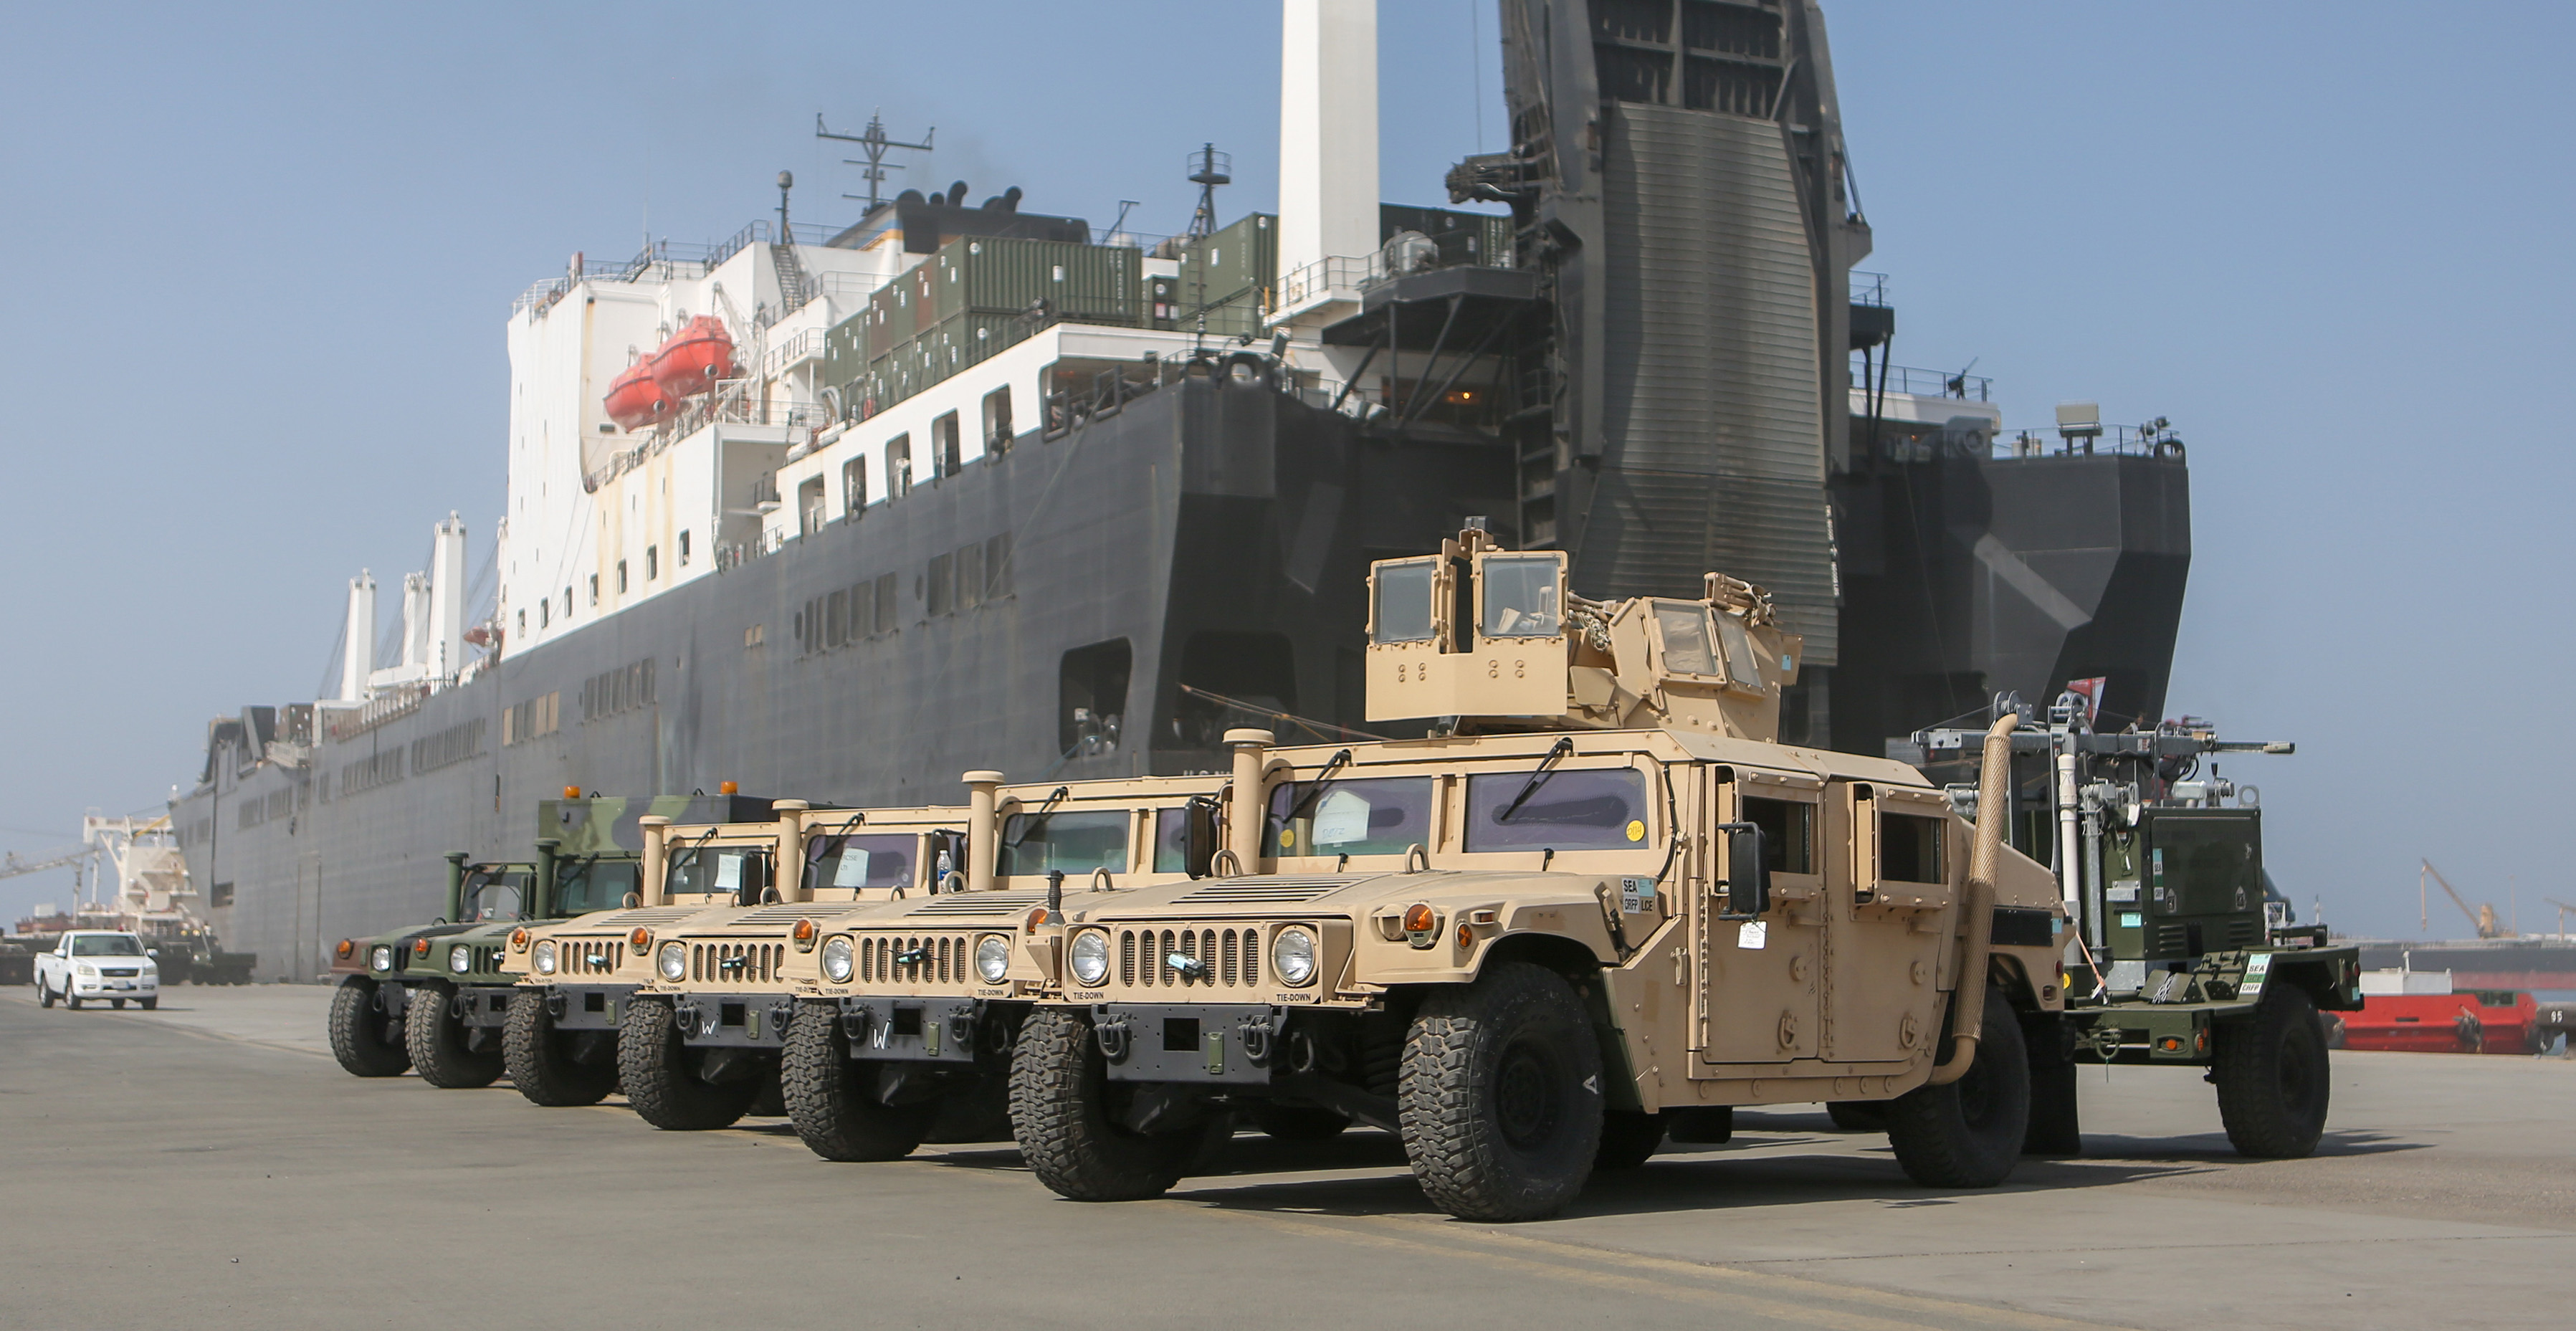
{"x": 1001, "y": 275}
{"x": 1239, "y": 261}
{"x": 845, "y": 350}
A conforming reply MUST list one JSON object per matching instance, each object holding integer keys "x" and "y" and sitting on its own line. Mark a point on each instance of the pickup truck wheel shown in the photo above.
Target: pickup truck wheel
{"x": 2272, "y": 1080}
{"x": 1296, "y": 1123}
{"x": 44, "y": 993}
{"x": 117, "y": 1003}
{"x": 1064, "y": 1110}
{"x": 148, "y": 1004}
{"x": 1968, "y": 1134}
{"x": 364, "y": 1040}
{"x": 1500, "y": 1095}
{"x": 436, "y": 1039}
{"x": 71, "y": 996}
{"x": 828, "y": 1100}
{"x": 661, "y": 1074}
{"x": 539, "y": 1063}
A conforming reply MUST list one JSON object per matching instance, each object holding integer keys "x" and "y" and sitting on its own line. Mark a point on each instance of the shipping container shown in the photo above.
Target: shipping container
{"x": 1482, "y": 239}
{"x": 845, "y": 351}
{"x": 1237, "y": 262}
{"x": 1002, "y": 275}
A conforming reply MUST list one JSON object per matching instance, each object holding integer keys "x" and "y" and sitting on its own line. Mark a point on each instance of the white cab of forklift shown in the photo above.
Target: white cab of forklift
{"x": 91, "y": 964}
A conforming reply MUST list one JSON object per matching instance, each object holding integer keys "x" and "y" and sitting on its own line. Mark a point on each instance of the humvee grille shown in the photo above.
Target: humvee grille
{"x": 1238, "y": 891}
{"x": 913, "y": 959}
{"x": 979, "y": 903}
{"x": 720, "y": 963}
{"x": 487, "y": 958}
{"x": 1231, "y": 957}
{"x": 593, "y": 957}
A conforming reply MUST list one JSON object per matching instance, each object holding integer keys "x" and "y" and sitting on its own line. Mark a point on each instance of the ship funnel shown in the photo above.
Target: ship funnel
{"x": 1328, "y": 199}
{"x": 358, "y": 658}
{"x": 446, "y": 630}
{"x": 415, "y": 649}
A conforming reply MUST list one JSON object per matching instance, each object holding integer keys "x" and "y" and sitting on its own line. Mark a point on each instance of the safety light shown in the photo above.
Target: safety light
{"x": 346, "y": 947}
{"x": 572, "y": 792}
{"x": 641, "y": 939}
{"x": 804, "y": 934}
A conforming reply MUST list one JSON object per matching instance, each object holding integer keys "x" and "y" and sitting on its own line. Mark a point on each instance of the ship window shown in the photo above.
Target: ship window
{"x": 997, "y": 567}
{"x": 1074, "y": 842}
{"x": 1909, "y": 848}
{"x": 1402, "y": 591}
{"x": 836, "y": 619}
{"x": 1788, "y": 833}
{"x": 854, "y": 486}
{"x": 621, "y": 577}
{"x": 949, "y": 455}
{"x": 942, "y": 591}
{"x": 594, "y": 589}
{"x": 223, "y": 895}
{"x": 1684, "y": 628}
{"x": 1091, "y": 694}
{"x": 523, "y": 621}
{"x": 997, "y": 420}
{"x": 1566, "y": 810}
{"x": 684, "y": 549}
{"x": 545, "y": 612}
{"x": 1742, "y": 670}
{"x": 898, "y": 462}
{"x": 652, "y": 567}
{"x": 567, "y": 611}
{"x": 970, "y": 575}
{"x": 809, "y": 506}
{"x": 1520, "y": 596}
{"x": 885, "y": 599}
{"x": 1380, "y": 816}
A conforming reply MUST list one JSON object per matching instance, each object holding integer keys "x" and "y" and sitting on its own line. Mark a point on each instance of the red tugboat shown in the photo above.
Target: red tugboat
{"x": 635, "y": 400}
{"x": 693, "y": 359}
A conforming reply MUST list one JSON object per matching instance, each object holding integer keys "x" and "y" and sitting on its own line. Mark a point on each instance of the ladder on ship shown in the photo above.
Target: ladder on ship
{"x": 794, "y": 288}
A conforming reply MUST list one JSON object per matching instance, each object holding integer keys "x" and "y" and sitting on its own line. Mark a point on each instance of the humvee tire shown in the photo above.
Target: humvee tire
{"x": 1500, "y": 1095}
{"x": 540, "y": 1066}
{"x": 436, "y": 1038}
{"x": 361, "y": 1037}
{"x": 1857, "y": 1115}
{"x": 1296, "y": 1123}
{"x": 1061, "y": 1111}
{"x": 1628, "y": 1138}
{"x": 661, "y": 1076}
{"x": 827, "y": 1095}
{"x": 2273, "y": 1082}
{"x": 1968, "y": 1134}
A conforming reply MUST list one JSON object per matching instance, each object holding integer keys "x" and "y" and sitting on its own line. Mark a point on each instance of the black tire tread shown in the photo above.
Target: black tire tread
{"x": 2258, "y": 1124}
{"x": 1440, "y": 1108}
{"x": 827, "y": 1102}
{"x": 436, "y": 1041}
{"x": 1925, "y": 1125}
{"x": 652, "y": 1064}
{"x": 537, "y": 1063}
{"x": 1628, "y": 1139}
{"x": 362, "y": 1052}
{"x": 1059, "y": 1115}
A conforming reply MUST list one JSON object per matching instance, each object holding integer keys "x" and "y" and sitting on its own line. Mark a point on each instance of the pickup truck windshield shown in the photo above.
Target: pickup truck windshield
{"x": 106, "y": 945}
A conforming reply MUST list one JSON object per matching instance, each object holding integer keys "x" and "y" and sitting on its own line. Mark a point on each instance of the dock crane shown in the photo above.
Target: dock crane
{"x": 2483, "y": 915}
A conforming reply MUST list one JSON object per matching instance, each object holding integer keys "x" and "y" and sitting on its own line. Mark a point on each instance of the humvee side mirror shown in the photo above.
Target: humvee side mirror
{"x": 1198, "y": 855}
{"x": 1748, "y": 871}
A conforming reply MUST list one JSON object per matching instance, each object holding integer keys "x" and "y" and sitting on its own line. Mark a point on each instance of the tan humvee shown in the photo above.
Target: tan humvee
{"x": 1532, "y": 952}
{"x": 910, "y": 1002}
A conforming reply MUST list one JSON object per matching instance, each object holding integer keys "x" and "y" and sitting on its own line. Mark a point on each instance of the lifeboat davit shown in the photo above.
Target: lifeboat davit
{"x": 635, "y": 400}
{"x": 694, "y": 358}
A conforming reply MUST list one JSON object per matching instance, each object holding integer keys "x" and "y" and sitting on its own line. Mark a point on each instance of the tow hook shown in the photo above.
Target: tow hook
{"x": 961, "y": 1031}
{"x": 1258, "y": 1034}
{"x": 457, "y": 1004}
{"x": 1113, "y": 1036}
{"x": 854, "y": 1025}
{"x": 556, "y": 1005}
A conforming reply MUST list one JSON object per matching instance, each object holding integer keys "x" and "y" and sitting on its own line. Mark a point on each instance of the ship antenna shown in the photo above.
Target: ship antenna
{"x": 1208, "y": 169}
{"x": 873, "y": 142}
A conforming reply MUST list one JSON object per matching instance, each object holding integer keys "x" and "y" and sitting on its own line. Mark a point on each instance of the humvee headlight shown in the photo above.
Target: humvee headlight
{"x": 381, "y": 957}
{"x": 1090, "y": 956}
{"x": 992, "y": 958}
{"x": 673, "y": 962}
{"x": 838, "y": 956}
{"x": 1292, "y": 957}
{"x": 460, "y": 959}
{"x": 545, "y": 957}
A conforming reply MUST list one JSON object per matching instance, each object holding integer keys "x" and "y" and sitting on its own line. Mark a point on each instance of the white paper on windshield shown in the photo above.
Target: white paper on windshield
{"x": 853, "y": 869}
{"x": 1342, "y": 818}
{"x": 1752, "y": 935}
{"x": 728, "y": 873}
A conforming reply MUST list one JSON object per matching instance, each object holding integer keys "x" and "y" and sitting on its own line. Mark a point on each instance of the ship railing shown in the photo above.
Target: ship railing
{"x": 762, "y": 231}
{"x": 1923, "y": 383}
{"x": 392, "y": 704}
{"x": 803, "y": 346}
{"x": 1868, "y": 288}
{"x": 2155, "y": 439}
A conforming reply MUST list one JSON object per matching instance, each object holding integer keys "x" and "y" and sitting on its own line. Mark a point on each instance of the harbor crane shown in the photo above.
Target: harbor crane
{"x": 2483, "y": 915}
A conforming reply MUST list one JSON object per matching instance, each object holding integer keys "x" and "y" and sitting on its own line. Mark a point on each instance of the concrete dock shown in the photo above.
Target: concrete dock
{"x": 209, "y": 1165}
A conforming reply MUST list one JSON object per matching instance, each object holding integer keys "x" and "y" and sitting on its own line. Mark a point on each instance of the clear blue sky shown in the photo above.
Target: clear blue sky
{"x": 261, "y": 257}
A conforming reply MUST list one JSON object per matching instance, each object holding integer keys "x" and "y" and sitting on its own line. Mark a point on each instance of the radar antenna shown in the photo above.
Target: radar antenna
{"x": 873, "y": 142}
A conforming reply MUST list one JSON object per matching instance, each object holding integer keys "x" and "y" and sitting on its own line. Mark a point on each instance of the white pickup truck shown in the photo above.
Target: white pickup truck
{"x": 92, "y": 963}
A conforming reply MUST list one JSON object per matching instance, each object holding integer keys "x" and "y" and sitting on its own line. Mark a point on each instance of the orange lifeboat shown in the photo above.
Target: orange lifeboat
{"x": 635, "y": 400}
{"x": 694, "y": 358}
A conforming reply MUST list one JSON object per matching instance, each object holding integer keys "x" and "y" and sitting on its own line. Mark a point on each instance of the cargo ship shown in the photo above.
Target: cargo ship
{"x": 840, "y": 512}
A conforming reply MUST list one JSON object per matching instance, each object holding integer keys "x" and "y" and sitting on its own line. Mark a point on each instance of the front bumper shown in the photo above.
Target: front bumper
{"x": 115, "y": 986}
{"x": 916, "y": 1030}
{"x": 733, "y": 1021}
{"x": 585, "y": 1007}
{"x": 1209, "y": 1044}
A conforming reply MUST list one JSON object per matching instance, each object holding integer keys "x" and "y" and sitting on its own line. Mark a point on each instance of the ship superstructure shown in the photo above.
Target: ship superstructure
{"x": 840, "y": 512}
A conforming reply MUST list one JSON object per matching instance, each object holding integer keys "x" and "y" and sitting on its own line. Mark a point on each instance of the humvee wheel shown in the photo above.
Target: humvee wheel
{"x": 1296, "y": 1123}
{"x": 827, "y": 1095}
{"x": 1628, "y": 1139}
{"x": 1065, "y": 1112}
{"x": 362, "y": 1038}
{"x": 1968, "y": 1134}
{"x": 1857, "y": 1115}
{"x": 539, "y": 1063}
{"x": 2272, "y": 1078}
{"x": 1500, "y": 1095}
{"x": 436, "y": 1038}
{"x": 661, "y": 1074}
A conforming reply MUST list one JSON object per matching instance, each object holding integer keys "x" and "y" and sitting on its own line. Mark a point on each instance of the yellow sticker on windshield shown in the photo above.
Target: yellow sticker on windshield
{"x": 1636, "y": 830}
{"x": 1287, "y": 837}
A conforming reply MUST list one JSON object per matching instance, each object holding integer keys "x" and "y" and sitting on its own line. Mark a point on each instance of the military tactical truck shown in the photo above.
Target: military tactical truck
{"x": 908, "y": 1002}
{"x": 1597, "y": 902}
{"x": 2183, "y": 955}
{"x": 432, "y": 997}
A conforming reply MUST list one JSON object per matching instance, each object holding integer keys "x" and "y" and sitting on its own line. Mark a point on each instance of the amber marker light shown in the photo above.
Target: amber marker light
{"x": 572, "y": 792}
{"x": 518, "y": 940}
{"x": 804, "y": 933}
{"x": 346, "y": 947}
{"x": 1466, "y": 936}
{"x": 1037, "y": 916}
{"x": 640, "y": 939}
{"x": 726, "y": 788}
{"x": 420, "y": 947}
{"x": 1418, "y": 918}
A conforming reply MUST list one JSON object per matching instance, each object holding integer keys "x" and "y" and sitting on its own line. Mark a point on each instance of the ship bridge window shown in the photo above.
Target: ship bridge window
{"x": 1520, "y": 596}
{"x": 1375, "y": 816}
{"x": 1565, "y": 810}
{"x": 1401, "y": 609}
{"x": 1077, "y": 843}
{"x": 1684, "y": 628}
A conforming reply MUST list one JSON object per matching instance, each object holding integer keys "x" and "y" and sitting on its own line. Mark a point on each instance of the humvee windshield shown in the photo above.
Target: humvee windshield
{"x": 861, "y": 860}
{"x": 1171, "y": 841}
{"x": 495, "y": 894}
{"x": 741, "y": 872}
{"x": 1576, "y": 810}
{"x": 1520, "y": 597}
{"x": 1073, "y": 842}
{"x": 1685, "y": 632}
{"x": 1403, "y": 609}
{"x": 583, "y": 886}
{"x": 1375, "y": 816}
{"x": 106, "y": 945}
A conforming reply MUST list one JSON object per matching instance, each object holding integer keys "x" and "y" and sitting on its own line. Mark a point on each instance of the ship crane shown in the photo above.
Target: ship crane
{"x": 2483, "y": 915}
{"x": 2563, "y": 908}
{"x": 12, "y": 864}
